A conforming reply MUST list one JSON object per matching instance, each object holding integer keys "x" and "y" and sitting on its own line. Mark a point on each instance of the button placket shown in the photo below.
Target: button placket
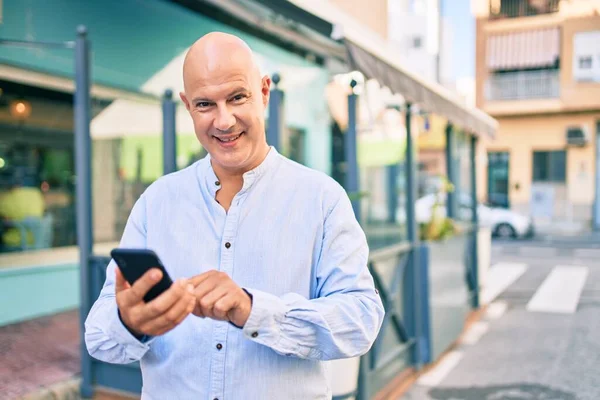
{"x": 221, "y": 328}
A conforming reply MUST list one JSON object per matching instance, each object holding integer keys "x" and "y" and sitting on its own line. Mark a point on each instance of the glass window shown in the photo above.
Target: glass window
{"x": 549, "y": 166}
{"x": 37, "y": 188}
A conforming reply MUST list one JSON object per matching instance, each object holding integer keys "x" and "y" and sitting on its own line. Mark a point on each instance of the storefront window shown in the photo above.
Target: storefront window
{"x": 36, "y": 169}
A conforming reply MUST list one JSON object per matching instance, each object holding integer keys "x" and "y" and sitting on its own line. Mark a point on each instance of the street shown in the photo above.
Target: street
{"x": 539, "y": 337}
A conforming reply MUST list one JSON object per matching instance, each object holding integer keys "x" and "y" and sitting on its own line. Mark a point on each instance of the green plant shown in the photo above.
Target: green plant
{"x": 439, "y": 227}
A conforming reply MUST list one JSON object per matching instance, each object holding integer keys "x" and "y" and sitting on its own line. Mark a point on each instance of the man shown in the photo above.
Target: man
{"x": 270, "y": 259}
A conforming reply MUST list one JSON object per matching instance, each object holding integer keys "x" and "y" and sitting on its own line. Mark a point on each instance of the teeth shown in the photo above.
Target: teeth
{"x": 229, "y": 140}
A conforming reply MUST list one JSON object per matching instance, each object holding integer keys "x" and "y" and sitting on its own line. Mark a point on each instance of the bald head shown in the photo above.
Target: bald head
{"x": 216, "y": 54}
{"x": 227, "y": 98}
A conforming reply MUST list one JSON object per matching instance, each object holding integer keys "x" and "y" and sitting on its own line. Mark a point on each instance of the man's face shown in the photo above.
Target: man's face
{"x": 227, "y": 106}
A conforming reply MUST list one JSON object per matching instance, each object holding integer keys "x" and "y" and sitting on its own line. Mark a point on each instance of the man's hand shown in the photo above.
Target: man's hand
{"x": 159, "y": 315}
{"x": 220, "y": 298}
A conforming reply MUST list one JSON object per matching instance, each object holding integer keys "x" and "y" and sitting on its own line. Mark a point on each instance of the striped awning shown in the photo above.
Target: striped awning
{"x": 527, "y": 49}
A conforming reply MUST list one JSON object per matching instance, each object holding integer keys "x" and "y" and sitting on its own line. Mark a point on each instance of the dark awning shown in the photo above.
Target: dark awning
{"x": 429, "y": 96}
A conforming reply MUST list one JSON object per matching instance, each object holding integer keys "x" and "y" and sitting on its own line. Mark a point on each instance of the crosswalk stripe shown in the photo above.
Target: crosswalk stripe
{"x": 496, "y": 309}
{"x": 499, "y": 277}
{"x": 560, "y": 291}
{"x": 474, "y": 333}
{"x": 436, "y": 375}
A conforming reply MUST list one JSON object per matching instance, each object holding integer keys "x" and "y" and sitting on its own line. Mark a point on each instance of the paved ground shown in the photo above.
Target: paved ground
{"x": 38, "y": 353}
{"x": 529, "y": 351}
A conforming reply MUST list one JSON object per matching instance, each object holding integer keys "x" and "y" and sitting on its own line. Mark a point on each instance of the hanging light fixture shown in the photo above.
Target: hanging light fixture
{"x": 20, "y": 109}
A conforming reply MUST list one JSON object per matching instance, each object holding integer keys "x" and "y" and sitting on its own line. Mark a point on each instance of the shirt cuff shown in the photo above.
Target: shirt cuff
{"x": 134, "y": 347}
{"x": 267, "y": 313}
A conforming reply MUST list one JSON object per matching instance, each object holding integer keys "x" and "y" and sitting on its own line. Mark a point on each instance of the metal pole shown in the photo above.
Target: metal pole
{"x": 475, "y": 222}
{"x": 450, "y": 172}
{"x": 413, "y": 238}
{"x": 392, "y": 174}
{"x": 83, "y": 168}
{"x": 275, "y": 114}
{"x": 169, "y": 136}
{"x": 351, "y": 156}
{"x": 411, "y": 186}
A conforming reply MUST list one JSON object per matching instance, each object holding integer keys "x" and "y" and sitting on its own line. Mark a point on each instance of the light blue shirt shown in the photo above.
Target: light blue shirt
{"x": 291, "y": 239}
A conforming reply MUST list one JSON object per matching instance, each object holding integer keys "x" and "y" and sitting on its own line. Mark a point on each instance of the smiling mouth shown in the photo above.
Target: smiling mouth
{"x": 229, "y": 139}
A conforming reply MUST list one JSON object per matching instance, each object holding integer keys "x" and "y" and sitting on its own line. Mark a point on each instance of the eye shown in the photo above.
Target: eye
{"x": 238, "y": 97}
{"x": 202, "y": 104}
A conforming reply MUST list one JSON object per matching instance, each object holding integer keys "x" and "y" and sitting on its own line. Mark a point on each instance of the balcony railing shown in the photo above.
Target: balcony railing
{"x": 523, "y": 85}
{"x": 521, "y": 8}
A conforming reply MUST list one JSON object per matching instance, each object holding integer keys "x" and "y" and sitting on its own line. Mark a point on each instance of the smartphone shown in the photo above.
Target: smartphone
{"x": 134, "y": 263}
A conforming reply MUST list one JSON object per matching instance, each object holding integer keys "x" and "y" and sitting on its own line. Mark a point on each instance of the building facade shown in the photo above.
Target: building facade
{"x": 538, "y": 74}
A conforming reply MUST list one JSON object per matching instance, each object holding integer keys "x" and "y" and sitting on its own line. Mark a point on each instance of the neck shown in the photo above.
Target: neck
{"x": 235, "y": 175}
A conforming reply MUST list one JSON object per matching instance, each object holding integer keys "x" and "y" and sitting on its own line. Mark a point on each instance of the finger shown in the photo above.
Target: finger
{"x": 173, "y": 316}
{"x": 224, "y": 305}
{"x": 166, "y": 300}
{"x": 198, "y": 279}
{"x": 120, "y": 281}
{"x": 207, "y": 302}
{"x": 144, "y": 284}
{"x": 197, "y": 309}
{"x": 208, "y": 285}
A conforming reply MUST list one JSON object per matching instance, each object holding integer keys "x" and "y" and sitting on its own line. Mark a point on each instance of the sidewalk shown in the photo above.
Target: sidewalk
{"x": 38, "y": 354}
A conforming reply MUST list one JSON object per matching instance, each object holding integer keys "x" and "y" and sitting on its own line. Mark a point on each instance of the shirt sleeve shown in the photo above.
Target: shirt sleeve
{"x": 106, "y": 338}
{"x": 344, "y": 319}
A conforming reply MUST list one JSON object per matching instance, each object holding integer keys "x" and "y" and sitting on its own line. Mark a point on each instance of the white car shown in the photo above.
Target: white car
{"x": 503, "y": 222}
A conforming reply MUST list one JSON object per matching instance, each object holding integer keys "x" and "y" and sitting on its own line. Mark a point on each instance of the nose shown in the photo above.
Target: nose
{"x": 225, "y": 119}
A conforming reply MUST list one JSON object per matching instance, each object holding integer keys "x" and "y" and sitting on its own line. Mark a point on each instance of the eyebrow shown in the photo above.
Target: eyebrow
{"x": 237, "y": 90}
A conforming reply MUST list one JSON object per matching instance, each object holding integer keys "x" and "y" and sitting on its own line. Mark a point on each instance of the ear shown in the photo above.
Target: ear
{"x": 266, "y": 89}
{"x": 185, "y": 100}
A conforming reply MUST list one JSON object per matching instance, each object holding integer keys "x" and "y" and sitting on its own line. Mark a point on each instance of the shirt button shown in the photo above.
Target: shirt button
{"x": 254, "y": 334}
{"x": 227, "y": 245}
{"x": 219, "y": 346}
{"x": 217, "y": 183}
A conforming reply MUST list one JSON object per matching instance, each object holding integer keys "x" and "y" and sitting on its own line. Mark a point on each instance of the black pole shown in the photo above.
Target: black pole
{"x": 450, "y": 172}
{"x": 392, "y": 175}
{"x": 413, "y": 237}
{"x": 83, "y": 168}
{"x": 411, "y": 228}
{"x": 169, "y": 136}
{"x": 275, "y": 114}
{"x": 351, "y": 155}
{"x": 475, "y": 222}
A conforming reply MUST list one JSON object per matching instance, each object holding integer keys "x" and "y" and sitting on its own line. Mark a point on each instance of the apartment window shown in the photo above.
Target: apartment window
{"x": 585, "y": 62}
{"x": 549, "y": 166}
{"x": 586, "y": 47}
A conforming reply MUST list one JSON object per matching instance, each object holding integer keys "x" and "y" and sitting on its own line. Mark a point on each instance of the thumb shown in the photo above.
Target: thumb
{"x": 120, "y": 282}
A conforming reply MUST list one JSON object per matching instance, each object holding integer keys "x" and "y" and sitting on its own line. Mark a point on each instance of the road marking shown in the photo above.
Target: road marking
{"x": 499, "y": 278}
{"x": 437, "y": 374}
{"x": 496, "y": 310}
{"x": 560, "y": 291}
{"x": 474, "y": 333}
{"x": 538, "y": 250}
{"x": 587, "y": 253}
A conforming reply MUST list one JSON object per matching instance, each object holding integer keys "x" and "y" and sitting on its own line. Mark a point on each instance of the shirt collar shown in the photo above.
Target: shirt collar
{"x": 250, "y": 177}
